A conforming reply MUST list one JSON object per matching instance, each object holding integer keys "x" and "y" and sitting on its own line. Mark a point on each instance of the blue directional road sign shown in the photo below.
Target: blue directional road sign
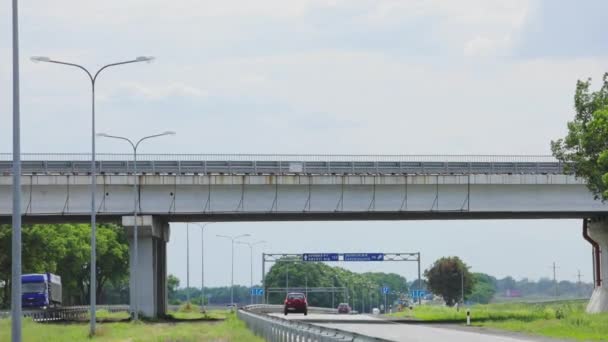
{"x": 415, "y": 294}
{"x": 363, "y": 256}
{"x": 386, "y": 290}
{"x": 257, "y": 291}
{"x": 320, "y": 257}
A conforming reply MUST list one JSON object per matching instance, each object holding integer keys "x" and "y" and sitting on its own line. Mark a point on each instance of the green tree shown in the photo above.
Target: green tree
{"x": 444, "y": 278}
{"x": 585, "y": 147}
{"x": 64, "y": 249}
{"x": 484, "y": 288}
{"x": 172, "y": 286}
{"x": 5, "y": 265}
{"x": 359, "y": 286}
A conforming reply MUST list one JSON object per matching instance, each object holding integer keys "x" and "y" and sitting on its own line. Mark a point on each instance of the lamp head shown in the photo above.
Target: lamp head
{"x": 148, "y": 59}
{"x": 37, "y": 59}
{"x": 169, "y": 133}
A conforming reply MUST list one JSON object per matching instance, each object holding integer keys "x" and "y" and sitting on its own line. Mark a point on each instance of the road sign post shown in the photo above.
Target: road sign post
{"x": 363, "y": 257}
{"x": 316, "y": 257}
{"x": 418, "y": 294}
{"x": 257, "y": 291}
{"x": 385, "y": 290}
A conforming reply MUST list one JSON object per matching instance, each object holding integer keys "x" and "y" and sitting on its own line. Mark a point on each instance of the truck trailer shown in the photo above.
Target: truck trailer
{"x": 40, "y": 290}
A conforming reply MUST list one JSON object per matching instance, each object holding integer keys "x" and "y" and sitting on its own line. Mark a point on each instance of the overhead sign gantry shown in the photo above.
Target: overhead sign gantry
{"x": 338, "y": 257}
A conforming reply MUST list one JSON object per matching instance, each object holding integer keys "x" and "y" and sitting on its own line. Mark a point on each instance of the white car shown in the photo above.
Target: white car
{"x": 375, "y": 311}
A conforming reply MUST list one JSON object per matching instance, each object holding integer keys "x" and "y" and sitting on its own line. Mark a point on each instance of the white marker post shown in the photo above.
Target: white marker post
{"x": 468, "y": 317}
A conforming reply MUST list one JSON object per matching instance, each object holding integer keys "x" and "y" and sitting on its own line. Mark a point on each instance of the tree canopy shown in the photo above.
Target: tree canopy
{"x": 444, "y": 278}
{"x": 585, "y": 148}
{"x": 360, "y": 287}
{"x": 64, "y": 249}
{"x": 484, "y": 288}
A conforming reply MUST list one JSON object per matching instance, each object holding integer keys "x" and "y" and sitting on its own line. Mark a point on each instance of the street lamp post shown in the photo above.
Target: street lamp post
{"x": 16, "y": 214}
{"x": 93, "y": 79}
{"x": 203, "y": 263}
{"x": 187, "y": 263}
{"x": 251, "y": 244}
{"x": 135, "y": 206}
{"x": 232, "y": 240}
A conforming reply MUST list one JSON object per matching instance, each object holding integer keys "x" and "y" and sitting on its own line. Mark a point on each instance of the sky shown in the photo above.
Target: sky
{"x": 320, "y": 76}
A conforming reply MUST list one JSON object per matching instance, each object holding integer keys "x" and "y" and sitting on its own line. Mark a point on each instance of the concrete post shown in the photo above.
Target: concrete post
{"x": 598, "y": 231}
{"x": 151, "y": 291}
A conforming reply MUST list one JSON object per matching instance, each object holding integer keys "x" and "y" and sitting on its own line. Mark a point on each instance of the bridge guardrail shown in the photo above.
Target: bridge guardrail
{"x": 276, "y": 329}
{"x": 474, "y": 158}
{"x": 173, "y": 165}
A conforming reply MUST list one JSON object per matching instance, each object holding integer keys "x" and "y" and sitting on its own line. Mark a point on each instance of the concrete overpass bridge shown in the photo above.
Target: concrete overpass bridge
{"x": 181, "y": 188}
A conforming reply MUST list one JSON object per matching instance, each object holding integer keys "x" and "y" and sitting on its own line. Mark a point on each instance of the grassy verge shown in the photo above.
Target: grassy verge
{"x": 231, "y": 329}
{"x": 194, "y": 315}
{"x": 556, "y": 319}
{"x": 105, "y": 315}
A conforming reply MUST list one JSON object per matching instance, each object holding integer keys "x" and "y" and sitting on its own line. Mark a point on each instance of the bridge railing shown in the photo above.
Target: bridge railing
{"x": 472, "y": 158}
{"x": 273, "y": 328}
{"x": 255, "y": 165}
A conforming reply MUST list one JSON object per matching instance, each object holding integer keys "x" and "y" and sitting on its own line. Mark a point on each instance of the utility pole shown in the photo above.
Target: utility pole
{"x": 333, "y": 286}
{"x": 580, "y": 283}
{"x": 462, "y": 285}
{"x": 555, "y": 278}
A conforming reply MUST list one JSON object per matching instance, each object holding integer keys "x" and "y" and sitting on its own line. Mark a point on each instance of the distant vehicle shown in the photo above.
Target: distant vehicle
{"x": 375, "y": 311}
{"x": 296, "y": 302}
{"x": 344, "y": 308}
{"x": 41, "y": 290}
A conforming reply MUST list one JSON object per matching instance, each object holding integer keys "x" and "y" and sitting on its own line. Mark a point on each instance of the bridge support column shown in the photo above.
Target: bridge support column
{"x": 598, "y": 231}
{"x": 150, "y": 287}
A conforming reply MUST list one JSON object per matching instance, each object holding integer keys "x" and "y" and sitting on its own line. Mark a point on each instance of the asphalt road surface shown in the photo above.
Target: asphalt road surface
{"x": 364, "y": 324}
{"x": 328, "y": 317}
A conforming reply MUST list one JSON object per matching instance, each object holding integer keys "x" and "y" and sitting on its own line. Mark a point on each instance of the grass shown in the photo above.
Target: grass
{"x": 197, "y": 315}
{"x": 231, "y": 329}
{"x": 565, "y": 319}
{"x": 105, "y": 315}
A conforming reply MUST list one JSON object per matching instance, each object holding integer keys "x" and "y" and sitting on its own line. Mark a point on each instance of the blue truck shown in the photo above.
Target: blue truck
{"x": 40, "y": 290}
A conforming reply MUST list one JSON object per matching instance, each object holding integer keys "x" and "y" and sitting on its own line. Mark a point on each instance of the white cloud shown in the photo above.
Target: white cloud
{"x": 483, "y": 46}
{"x": 160, "y": 92}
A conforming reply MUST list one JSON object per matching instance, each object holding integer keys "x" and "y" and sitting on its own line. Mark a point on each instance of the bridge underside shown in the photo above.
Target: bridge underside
{"x": 314, "y": 216}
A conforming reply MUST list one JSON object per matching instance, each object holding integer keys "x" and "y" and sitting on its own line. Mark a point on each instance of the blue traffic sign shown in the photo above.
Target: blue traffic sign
{"x": 363, "y": 256}
{"x": 386, "y": 290}
{"x": 320, "y": 257}
{"x": 415, "y": 294}
{"x": 257, "y": 291}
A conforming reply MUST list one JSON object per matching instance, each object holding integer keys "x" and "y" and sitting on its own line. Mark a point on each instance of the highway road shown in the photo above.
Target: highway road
{"x": 377, "y": 327}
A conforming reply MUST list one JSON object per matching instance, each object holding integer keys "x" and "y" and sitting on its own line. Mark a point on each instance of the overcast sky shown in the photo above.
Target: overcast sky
{"x": 320, "y": 76}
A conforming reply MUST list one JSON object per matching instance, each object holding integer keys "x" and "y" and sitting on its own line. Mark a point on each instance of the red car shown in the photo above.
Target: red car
{"x": 344, "y": 308}
{"x": 296, "y": 302}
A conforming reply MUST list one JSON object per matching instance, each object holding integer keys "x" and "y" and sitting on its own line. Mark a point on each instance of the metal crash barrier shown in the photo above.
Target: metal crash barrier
{"x": 70, "y": 313}
{"x": 276, "y": 329}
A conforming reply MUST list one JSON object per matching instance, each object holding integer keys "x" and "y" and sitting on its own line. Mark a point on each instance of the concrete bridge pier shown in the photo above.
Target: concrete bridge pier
{"x": 598, "y": 231}
{"x": 150, "y": 287}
